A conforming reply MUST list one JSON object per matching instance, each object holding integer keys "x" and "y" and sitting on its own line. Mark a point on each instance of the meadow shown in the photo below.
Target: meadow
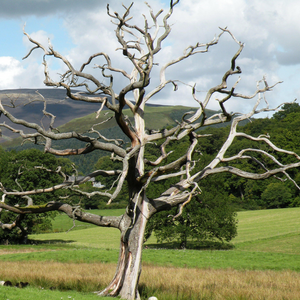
{"x": 263, "y": 264}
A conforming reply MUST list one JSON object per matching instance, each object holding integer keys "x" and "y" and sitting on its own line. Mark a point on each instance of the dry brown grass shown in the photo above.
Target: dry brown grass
{"x": 26, "y": 250}
{"x": 82, "y": 277}
{"x": 166, "y": 282}
{"x": 224, "y": 284}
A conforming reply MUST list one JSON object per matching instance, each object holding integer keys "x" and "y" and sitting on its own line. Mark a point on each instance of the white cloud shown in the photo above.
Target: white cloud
{"x": 10, "y": 68}
{"x": 24, "y": 74}
{"x": 268, "y": 29}
{"x": 15, "y": 74}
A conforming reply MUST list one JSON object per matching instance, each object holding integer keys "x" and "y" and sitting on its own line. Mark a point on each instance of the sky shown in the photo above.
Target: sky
{"x": 77, "y": 29}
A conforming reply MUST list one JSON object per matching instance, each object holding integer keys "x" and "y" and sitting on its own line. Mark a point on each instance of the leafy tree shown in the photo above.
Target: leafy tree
{"x": 28, "y": 169}
{"x": 286, "y": 109}
{"x": 140, "y": 47}
{"x": 277, "y": 195}
{"x": 210, "y": 218}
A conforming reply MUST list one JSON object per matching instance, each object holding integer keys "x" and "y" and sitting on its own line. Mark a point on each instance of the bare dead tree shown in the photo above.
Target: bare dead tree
{"x": 140, "y": 46}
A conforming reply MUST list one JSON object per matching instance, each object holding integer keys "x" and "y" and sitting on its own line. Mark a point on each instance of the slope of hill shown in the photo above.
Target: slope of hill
{"x": 157, "y": 117}
{"x": 80, "y": 116}
{"x": 28, "y": 105}
{"x": 270, "y": 231}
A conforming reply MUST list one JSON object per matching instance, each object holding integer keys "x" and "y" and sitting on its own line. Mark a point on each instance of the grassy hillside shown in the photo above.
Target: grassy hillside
{"x": 277, "y": 227}
{"x": 267, "y": 239}
{"x": 266, "y": 224}
{"x": 156, "y": 117}
{"x": 272, "y": 232}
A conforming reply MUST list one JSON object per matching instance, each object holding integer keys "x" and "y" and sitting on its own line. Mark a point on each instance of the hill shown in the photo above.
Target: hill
{"x": 268, "y": 231}
{"x": 27, "y": 104}
{"x": 81, "y": 116}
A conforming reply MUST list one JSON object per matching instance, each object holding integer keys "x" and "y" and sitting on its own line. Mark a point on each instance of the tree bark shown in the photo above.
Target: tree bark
{"x": 126, "y": 278}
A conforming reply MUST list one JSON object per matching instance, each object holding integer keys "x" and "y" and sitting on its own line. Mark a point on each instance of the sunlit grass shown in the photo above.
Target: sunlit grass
{"x": 98, "y": 237}
{"x": 236, "y": 259}
{"x": 275, "y": 230}
{"x": 288, "y": 244}
{"x": 34, "y": 293}
{"x": 262, "y": 224}
{"x": 74, "y": 254}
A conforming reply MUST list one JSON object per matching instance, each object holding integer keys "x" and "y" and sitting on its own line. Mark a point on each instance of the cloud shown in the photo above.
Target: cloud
{"x": 267, "y": 28}
{"x": 17, "y": 8}
{"x": 15, "y": 74}
{"x": 289, "y": 57}
{"x": 24, "y": 74}
{"x": 10, "y": 68}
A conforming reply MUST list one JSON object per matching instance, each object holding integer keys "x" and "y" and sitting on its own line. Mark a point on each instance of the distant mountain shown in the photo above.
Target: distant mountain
{"x": 27, "y": 105}
{"x": 79, "y": 116}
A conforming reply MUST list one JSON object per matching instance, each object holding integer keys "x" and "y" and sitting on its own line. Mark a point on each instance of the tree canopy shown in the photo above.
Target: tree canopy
{"x": 28, "y": 170}
{"x": 210, "y": 218}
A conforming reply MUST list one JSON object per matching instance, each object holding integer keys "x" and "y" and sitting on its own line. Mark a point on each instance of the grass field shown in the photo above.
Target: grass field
{"x": 264, "y": 264}
{"x": 7, "y": 293}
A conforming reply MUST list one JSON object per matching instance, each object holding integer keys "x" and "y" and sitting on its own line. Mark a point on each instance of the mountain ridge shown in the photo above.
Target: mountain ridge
{"x": 28, "y": 104}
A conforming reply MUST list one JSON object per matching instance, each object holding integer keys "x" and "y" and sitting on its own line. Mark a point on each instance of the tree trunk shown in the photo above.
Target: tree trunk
{"x": 125, "y": 281}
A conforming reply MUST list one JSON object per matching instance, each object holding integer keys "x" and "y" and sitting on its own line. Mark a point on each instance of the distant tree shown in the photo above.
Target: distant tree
{"x": 276, "y": 195}
{"x": 285, "y": 110}
{"x": 211, "y": 217}
{"x": 27, "y": 170}
{"x": 139, "y": 46}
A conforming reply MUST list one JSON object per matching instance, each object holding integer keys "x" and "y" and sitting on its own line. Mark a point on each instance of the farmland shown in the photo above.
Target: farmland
{"x": 264, "y": 263}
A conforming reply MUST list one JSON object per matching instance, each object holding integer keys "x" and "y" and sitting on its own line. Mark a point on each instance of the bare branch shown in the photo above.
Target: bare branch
{"x": 67, "y": 209}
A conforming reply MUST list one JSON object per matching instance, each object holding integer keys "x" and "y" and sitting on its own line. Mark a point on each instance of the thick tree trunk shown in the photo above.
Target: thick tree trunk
{"x": 125, "y": 281}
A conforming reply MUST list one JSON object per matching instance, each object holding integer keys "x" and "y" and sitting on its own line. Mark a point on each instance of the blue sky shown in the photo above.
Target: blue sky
{"x": 12, "y": 36}
{"x": 270, "y": 30}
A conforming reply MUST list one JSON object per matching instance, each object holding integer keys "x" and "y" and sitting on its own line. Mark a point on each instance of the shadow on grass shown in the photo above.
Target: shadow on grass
{"x": 50, "y": 242}
{"x": 204, "y": 245}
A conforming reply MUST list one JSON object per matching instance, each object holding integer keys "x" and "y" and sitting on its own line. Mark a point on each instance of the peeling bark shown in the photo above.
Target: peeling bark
{"x": 126, "y": 278}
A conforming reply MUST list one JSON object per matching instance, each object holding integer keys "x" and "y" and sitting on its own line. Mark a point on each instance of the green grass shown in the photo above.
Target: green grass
{"x": 97, "y": 237}
{"x": 66, "y": 255}
{"x": 89, "y": 235}
{"x": 288, "y": 244}
{"x": 275, "y": 230}
{"x": 267, "y": 239}
{"x": 240, "y": 260}
{"x": 264, "y": 224}
{"x": 31, "y": 293}
{"x": 220, "y": 259}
